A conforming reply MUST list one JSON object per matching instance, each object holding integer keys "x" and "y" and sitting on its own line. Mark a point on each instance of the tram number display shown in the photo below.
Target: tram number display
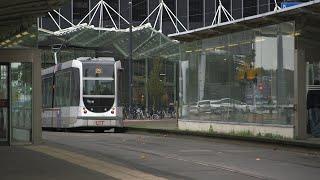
{"x": 99, "y": 70}
{"x": 99, "y": 123}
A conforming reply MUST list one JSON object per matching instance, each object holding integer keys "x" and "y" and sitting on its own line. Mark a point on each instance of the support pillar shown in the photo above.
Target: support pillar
{"x": 300, "y": 124}
{"x": 202, "y": 75}
{"x": 175, "y": 82}
{"x": 146, "y": 94}
{"x": 184, "y": 66}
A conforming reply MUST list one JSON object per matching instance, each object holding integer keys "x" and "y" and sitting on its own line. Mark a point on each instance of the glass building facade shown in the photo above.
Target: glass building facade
{"x": 240, "y": 77}
{"x": 245, "y": 77}
{"x": 252, "y": 77}
{"x": 192, "y": 13}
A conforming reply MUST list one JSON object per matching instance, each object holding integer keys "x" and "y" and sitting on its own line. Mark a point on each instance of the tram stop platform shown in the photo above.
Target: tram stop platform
{"x": 20, "y": 162}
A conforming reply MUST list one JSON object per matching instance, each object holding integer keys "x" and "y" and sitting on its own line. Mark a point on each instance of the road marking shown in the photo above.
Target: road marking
{"x": 116, "y": 171}
{"x": 194, "y": 150}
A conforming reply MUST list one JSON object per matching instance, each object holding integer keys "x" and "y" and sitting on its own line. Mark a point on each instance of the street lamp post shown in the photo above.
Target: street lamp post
{"x": 130, "y": 53}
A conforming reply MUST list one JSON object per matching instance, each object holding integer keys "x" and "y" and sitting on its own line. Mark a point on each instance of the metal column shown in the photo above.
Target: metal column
{"x": 130, "y": 54}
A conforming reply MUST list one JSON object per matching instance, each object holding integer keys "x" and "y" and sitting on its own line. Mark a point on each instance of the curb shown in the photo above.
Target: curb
{"x": 292, "y": 143}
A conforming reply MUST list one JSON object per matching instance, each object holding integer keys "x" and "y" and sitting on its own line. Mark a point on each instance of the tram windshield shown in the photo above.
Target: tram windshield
{"x": 98, "y": 70}
{"x": 98, "y": 86}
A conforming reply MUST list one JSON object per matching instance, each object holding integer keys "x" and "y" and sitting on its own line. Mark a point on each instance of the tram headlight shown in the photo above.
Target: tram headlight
{"x": 112, "y": 110}
{"x": 85, "y": 111}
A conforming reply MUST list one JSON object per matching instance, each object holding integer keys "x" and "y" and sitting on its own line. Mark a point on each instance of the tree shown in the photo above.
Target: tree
{"x": 155, "y": 85}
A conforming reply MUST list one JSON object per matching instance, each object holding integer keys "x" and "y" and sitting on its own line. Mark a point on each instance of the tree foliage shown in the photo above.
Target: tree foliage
{"x": 156, "y": 85}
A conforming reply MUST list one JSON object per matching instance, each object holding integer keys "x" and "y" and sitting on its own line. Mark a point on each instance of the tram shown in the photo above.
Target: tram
{"x": 82, "y": 94}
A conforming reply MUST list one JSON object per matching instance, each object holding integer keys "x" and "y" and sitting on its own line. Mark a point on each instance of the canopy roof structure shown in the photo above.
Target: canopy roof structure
{"x": 146, "y": 40}
{"x": 309, "y": 9}
{"x": 18, "y": 15}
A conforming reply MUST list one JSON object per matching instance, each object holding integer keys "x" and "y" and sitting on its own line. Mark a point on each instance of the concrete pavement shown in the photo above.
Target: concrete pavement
{"x": 176, "y": 157}
{"x": 170, "y": 124}
{"x": 83, "y": 155}
{"x": 18, "y": 162}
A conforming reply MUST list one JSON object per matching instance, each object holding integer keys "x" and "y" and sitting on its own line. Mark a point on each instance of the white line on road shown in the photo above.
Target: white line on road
{"x": 194, "y": 150}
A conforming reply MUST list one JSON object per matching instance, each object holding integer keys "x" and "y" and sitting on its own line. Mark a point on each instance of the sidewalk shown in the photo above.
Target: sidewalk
{"x": 55, "y": 161}
{"x": 17, "y": 162}
{"x": 169, "y": 126}
{"x": 153, "y": 124}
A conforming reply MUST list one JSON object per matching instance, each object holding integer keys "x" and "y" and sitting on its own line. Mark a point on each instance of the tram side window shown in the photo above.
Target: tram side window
{"x": 75, "y": 87}
{"x": 62, "y": 89}
{"x": 47, "y": 92}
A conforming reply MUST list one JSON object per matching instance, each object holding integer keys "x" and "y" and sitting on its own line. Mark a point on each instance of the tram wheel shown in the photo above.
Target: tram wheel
{"x": 119, "y": 130}
{"x": 99, "y": 130}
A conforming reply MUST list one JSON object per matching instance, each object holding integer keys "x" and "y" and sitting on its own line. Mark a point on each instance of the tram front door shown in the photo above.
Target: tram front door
{"x": 4, "y": 102}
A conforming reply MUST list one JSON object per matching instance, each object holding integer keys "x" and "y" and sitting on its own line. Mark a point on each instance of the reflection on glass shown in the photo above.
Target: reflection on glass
{"x": 3, "y": 123}
{"x": 98, "y": 87}
{"x": 21, "y": 102}
{"x": 98, "y": 70}
{"x": 62, "y": 89}
{"x": 3, "y": 101}
{"x": 3, "y": 82}
{"x": 47, "y": 92}
{"x": 240, "y": 77}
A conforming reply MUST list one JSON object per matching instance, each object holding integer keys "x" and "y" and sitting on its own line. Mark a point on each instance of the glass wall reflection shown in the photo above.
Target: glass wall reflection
{"x": 241, "y": 77}
{"x": 21, "y": 101}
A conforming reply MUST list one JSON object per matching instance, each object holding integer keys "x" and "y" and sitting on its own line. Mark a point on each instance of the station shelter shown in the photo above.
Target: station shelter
{"x": 20, "y": 67}
{"x": 251, "y": 76}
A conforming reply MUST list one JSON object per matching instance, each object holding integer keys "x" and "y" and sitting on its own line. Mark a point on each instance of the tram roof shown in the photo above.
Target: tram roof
{"x": 147, "y": 42}
{"x": 310, "y": 9}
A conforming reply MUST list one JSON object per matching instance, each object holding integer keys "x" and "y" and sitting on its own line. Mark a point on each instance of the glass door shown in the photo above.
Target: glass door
{"x": 4, "y": 102}
{"x": 313, "y": 75}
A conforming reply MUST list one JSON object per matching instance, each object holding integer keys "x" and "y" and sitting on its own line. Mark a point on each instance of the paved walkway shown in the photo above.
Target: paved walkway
{"x": 181, "y": 157}
{"x": 77, "y": 156}
{"x": 43, "y": 162}
{"x": 169, "y": 124}
{"x": 19, "y": 162}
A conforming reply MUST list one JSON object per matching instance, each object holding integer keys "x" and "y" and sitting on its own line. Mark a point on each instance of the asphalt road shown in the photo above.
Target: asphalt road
{"x": 182, "y": 157}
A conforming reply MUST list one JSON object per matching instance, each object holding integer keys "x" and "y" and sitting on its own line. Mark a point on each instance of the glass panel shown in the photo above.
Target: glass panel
{"x": 21, "y": 101}
{"x": 3, "y": 102}
{"x": 75, "y": 87}
{"x": 3, "y": 123}
{"x": 47, "y": 91}
{"x": 80, "y": 9}
{"x": 246, "y": 76}
{"x": 98, "y": 87}
{"x": 98, "y": 70}
{"x": 307, "y": 41}
{"x": 62, "y": 89}
{"x": 3, "y": 82}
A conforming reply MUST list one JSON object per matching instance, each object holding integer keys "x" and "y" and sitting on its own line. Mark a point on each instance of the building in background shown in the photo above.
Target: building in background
{"x": 192, "y": 13}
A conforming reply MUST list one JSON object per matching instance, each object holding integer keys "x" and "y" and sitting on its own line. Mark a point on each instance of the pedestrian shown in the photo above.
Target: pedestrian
{"x": 313, "y": 106}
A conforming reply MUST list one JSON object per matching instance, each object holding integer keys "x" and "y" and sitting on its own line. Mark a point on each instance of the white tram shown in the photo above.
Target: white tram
{"x": 82, "y": 94}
